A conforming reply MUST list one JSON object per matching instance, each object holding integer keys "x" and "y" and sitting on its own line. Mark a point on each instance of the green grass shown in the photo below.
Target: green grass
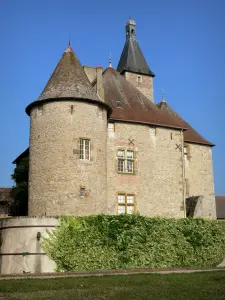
{"x": 192, "y": 286}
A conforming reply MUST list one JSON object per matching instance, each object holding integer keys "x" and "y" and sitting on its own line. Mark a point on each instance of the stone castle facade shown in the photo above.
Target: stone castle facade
{"x": 99, "y": 144}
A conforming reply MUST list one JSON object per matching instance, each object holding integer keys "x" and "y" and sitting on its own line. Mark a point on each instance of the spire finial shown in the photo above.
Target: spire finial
{"x": 110, "y": 60}
{"x": 163, "y": 98}
{"x": 69, "y": 39}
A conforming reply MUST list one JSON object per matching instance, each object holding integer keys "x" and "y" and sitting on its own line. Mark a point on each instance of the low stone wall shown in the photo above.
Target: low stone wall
{"x": 20, "y": 245}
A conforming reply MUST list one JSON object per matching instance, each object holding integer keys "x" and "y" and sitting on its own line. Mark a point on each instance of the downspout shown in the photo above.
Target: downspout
{"x": 183, "y": 172}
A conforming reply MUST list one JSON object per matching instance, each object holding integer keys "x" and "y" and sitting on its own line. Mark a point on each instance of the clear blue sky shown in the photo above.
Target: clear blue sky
{"x": 182, "y": 40}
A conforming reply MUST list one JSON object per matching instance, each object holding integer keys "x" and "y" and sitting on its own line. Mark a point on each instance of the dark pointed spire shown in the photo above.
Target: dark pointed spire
{"x": 132, "y": 58}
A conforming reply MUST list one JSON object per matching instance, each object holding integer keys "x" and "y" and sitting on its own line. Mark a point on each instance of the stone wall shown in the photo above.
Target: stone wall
{"x": 157, "y": 183}
{"x": 143, "y": 83}
{"x": 56, "y": 173}
{"x": 20, "y": 249}
{"x": 199, "y": 175}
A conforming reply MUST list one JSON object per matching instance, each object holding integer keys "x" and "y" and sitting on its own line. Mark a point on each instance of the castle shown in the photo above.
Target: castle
{"x": 99, "y": 144}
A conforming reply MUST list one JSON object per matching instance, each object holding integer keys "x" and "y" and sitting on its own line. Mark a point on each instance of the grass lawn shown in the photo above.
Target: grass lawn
{"x": 194, "y": 286}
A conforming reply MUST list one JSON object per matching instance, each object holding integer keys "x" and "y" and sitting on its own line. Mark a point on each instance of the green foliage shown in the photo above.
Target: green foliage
{"x": 19, "y": 207}
{"x": 132, "y": 241}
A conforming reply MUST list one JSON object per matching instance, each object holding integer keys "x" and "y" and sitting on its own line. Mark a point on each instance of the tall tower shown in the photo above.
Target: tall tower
{"x": 68, "y": 135}
{"x": 132, "y": 64}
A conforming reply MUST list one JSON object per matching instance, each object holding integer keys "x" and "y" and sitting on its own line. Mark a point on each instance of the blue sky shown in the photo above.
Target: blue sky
{"x": 183, "y": 42}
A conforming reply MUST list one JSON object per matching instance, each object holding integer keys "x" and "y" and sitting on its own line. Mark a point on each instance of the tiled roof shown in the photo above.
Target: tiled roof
{"x": 68, "y": 81}
{"x": 220, "y": 207}
{"x": 190, "y": 135}
{"x": 5, "y": 195}
{"x": 129, "y": 104}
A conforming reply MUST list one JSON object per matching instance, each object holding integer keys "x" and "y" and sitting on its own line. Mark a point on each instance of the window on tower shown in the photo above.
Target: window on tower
{"x": 85, "y": 149}
{"x": 139, "y": 79}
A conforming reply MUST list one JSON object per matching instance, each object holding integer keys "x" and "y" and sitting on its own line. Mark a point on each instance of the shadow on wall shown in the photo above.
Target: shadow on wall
{"x": 194, "y": 206}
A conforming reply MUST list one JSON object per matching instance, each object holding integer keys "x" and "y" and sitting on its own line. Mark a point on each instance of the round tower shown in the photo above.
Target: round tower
{"x": 68, "y": 145}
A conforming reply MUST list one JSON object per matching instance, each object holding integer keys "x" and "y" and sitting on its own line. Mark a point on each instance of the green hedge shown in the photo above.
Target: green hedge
{"x": 132, "y": 241}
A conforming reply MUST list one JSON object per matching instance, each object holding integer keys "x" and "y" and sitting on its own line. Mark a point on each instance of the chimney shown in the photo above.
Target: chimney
{"x": 99, "y": 83}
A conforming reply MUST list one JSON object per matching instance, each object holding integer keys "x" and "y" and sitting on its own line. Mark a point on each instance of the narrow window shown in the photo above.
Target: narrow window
{"x": 152, "y": 131}
{"x": 111, "y": 127}
{"x": 139, "y": 79}
{"x": 118, "y": 104}
{"x": 85, "y": 149}
{"x": 185, "y": 152}
{"x": 125, "y": 204}
{"x": 125, "y": 160}
{"x": 82, "y": 191}
{"x": 121, "y": 160}
{"x": 130, "y": 161}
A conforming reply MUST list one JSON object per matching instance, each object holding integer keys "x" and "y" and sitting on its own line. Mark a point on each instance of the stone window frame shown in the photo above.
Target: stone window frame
{"x": 85, "y": 149}
{"x": 122, "y": 161}
{"x": 126, "y": 204}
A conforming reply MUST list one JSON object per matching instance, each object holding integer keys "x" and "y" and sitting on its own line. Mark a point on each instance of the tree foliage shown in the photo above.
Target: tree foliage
{"x": 132, "y": 241}
{"x": 19, "y": 207}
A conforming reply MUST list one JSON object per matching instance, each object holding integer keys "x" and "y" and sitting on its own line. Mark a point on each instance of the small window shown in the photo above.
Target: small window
{"x": 118, "y": 104}
{"x": 125, "y": 204}
{"x": 82, "y": 191}
{"x": 125, "y": 160}
{"x": 139, "y": 79}
{"x": 111, "y": 127}
{"x": 186, "y": 152}
{"x": 152, "y": 131}
{"x": 85, "y": 149}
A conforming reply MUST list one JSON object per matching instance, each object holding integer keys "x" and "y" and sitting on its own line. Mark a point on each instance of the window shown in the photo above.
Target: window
{"x": 85, "y": 149}
{"x": 82, "y": 191}
{"x": 126, "y": 204}
{"x": 139, "y": 79}
{"x": 185, "y": 152}
{"x": 152, "y": 131}
{"x": 125, "y": 160}
{"x": 111, "y": 127}
{"x": 118, "y": 104}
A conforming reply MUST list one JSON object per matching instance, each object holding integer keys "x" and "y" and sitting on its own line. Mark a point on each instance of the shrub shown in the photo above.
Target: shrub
{"x": 131, "y": 241}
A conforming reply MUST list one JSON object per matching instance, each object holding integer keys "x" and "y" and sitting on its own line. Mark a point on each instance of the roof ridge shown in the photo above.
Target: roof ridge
{"x": 190, "y": 135}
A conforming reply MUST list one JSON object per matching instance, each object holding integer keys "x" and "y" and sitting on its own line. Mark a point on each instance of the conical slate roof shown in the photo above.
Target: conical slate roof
{"x": 190, "y": 135}
{"x": 132, "y": 59}
{"x": 68, "y": 81}
{"x": 130, "y": 105}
